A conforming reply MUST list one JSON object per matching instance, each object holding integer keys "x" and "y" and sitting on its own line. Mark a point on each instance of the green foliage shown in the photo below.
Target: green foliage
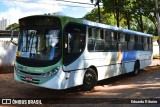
{"x": 136, "y": 15}
{"x": 117, "y": 8}
{"x": 105, "y": 17}
{"x": 155, "y": 38}
{"x": 148, "y": 25}
{"x": 12, "y": 26}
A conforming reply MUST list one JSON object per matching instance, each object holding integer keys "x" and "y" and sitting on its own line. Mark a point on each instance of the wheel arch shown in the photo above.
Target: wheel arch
{"x": 94, "y": 68}
{"x": 136, "y": 68}
{"x": 90, "y": 78}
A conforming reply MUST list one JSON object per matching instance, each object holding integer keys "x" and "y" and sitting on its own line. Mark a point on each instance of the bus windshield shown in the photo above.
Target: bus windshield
{"x": 39, "y": 40}
{"x": 39, "y": 44}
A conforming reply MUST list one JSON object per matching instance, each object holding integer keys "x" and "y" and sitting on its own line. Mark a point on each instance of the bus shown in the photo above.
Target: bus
{"x": 60, "y": 52}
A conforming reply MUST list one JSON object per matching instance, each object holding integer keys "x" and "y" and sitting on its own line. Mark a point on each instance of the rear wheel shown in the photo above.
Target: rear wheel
{"x": 90, "y": 80}
{"x": 136, "y": 68}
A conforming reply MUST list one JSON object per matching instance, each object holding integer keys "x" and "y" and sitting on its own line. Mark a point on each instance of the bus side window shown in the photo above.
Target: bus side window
{"x": 136, "y": 45}
{"x": 101, "y": 34}
{"x": 122, "y": 42}
{"x": 140, "y": 46}
{"x": 65, "y": 43}
{"x": 115, "y": 36}
{"x": 131, "y": 43}
{"x": 74, "y": 38}
{"x": 96, "y": 40}
{"x": 99, "y": 41}
{"x": 112, "y": 35}
{"x": 91, "y": 41}
{"x": 94, "y": 33}
{"x": 110, "y": 40}
{"x": 148, "y": 42}
{"x": 74, "y": 42}
{"x": 145, "y": 43}
{"x": 89, "y": 32}
{"x": 151, "y": 44}
{"x": 114, "y": 39}
{"x": 127, "y": 38}
{"x": 107, "y": 40}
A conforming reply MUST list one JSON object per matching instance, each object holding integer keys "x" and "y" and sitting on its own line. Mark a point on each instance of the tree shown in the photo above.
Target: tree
{"x": 142, "y": 10}
{"x": 97, "y": 4}
{"x": 148, "y": 26}
{"x": 138, "y": 8}
{"x": 12, "y": 26}
{"x": 150, "y": 13}
{"x": 115, "y": 7}
{"x": 136, "y": 15}
{"x": 127, "y": 12}
{"x": 132, "y": 11}
{"x": 106, "y": 18}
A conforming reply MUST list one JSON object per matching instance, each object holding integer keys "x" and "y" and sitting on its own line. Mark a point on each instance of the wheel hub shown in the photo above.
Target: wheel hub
{"x": 89, "y": 79}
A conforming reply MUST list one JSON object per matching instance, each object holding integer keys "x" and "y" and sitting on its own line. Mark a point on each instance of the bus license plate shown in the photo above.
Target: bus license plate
{"x": 29, "y": 79}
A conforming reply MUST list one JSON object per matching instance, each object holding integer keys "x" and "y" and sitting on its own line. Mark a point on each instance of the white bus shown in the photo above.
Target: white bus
{"x": 60, "y": 52}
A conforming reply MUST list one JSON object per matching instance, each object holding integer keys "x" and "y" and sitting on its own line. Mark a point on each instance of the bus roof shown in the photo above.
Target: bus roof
{"x": 69, "y": 19}
{"x": 90, "y": 23}
{"x": 95, "y": 24}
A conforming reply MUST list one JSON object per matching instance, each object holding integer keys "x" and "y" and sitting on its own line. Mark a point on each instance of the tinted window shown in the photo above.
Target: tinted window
{"x": 74, "y": 42}
{"x": 95, "y": 39}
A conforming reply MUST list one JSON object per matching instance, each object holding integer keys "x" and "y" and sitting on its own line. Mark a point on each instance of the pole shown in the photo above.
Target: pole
{"x": 158, "y": 24}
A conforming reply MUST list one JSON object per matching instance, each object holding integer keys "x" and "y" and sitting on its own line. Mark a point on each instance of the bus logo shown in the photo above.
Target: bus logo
{"x": 6, "y": 101}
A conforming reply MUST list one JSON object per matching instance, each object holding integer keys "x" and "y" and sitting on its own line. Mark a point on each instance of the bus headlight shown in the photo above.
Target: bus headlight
{"x": 54, "y": 71}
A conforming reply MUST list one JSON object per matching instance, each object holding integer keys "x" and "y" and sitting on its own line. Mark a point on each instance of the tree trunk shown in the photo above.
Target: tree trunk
{"x": 128, "y": 20}
{"x": 117, "y": 17}
{"x": 141, "y": 24}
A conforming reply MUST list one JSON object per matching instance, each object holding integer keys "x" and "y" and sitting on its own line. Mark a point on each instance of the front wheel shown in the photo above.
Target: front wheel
{"x": 90, "y": 80}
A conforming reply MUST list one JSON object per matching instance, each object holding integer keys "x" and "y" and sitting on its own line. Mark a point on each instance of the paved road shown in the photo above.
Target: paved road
{"x": 145, "y": 85}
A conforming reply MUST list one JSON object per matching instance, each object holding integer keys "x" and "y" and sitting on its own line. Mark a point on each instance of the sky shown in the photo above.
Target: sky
{"x": 15, "y": 9}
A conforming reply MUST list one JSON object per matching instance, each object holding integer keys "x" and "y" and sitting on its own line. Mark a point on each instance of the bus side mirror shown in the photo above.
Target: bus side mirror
{"x": 12, "y": 36}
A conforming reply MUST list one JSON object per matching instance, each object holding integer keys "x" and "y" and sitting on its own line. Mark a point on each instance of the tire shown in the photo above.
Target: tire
{"x": 90, "y": 80}
{"x": 136, "y": 68}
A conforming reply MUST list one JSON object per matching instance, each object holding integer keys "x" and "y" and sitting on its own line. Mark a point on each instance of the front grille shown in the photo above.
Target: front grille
{"x": 34, "y": 81}
{"x": 34, "y": 74}
{"x": 33, "y": 77}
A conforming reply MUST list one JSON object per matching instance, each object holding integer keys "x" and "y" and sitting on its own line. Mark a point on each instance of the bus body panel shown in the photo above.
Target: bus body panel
{"x": 108, "y": 71}
{"x": 105, "y": 63}
{"x": 61, "y": 80}
{"x": 56, "y": 82}
{"x": 76, "y": 65}
{"x": 108, "y": 64}
{"x": 111, "y": 64}
{"x": 76, "y": 77}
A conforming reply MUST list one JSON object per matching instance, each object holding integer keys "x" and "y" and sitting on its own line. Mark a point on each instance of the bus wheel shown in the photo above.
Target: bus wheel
{"x": 136, "y": 68}
{"x": 90, "y": 80}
